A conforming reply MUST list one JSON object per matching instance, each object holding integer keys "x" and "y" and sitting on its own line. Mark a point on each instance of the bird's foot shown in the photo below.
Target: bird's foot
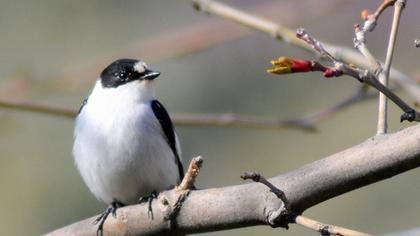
{"x": 149, "y": 200}
{"x": 112, "y": 209}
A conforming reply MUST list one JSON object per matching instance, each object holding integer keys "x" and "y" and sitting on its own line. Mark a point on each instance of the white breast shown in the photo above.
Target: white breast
{"x": 120, "y": 148}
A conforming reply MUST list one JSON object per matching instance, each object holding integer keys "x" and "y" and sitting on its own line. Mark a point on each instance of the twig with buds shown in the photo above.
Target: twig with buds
{"x": 288, "y": 65}
{"x": 383, "y": 72}
{"x": 369, "y": 24}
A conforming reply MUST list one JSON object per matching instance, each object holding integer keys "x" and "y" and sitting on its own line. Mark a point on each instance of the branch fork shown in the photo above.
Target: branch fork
{"x": 282, "y": 217}
{"x": 275, "y": 218}
{"x": 340, "y": 68}
{"x": 383, "y": 72}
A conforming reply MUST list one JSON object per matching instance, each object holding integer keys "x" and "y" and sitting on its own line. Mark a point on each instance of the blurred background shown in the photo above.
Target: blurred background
{"x": 51, "y": 52}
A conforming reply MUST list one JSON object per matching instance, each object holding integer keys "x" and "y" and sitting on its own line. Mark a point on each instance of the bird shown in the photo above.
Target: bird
{"x": 125, "y": 146}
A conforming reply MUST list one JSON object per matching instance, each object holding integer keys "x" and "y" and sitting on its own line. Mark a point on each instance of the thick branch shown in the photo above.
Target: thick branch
{"x": 324, "y": 229}
{"x": 376, "y": 159}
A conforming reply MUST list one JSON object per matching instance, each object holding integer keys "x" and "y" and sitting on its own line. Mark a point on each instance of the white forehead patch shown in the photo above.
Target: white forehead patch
{"x": 140, "y": 67}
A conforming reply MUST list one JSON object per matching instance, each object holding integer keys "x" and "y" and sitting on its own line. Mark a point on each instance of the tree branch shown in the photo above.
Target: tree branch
{"x": 376, "y": 159}
{"x": 361, "y": 94}
{"x": 184, "y": 119}
{"x": 287, "y": 35}
{"x": 285, "y": 65}
{"x": 360, "y": 43}
{"x": 326, "y": 229}
{"x": 189, "y": 39}
{"x": 307, "y": 123}
{"x": 384, "y": 75}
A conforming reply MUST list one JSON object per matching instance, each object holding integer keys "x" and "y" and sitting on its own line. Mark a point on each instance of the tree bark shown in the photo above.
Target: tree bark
{"x": 376, "y": 159}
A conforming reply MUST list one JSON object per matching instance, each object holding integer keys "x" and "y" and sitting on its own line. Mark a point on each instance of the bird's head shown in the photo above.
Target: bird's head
{"x": 124, "y": 71}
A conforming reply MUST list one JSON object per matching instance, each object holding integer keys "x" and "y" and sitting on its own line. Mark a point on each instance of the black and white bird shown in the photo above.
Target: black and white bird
{"x": 125, "y": 146}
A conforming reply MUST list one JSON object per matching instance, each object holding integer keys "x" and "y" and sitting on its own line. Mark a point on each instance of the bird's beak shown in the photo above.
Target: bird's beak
{"x": 150, "y": 74}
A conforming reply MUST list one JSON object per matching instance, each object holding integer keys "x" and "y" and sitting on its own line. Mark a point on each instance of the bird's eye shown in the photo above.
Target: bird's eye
{"x": 140, "y": 67}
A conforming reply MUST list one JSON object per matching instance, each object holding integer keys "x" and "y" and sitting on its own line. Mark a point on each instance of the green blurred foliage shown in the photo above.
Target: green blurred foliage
{"x": 41, "y": 188}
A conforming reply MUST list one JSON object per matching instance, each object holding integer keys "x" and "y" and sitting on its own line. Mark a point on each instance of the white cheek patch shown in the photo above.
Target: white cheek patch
{"x": 140, "y": 67}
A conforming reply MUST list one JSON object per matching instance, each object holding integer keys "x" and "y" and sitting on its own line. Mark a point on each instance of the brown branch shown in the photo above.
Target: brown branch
{"x": 326, "y": 229}
{"x": 188, "y": 181}
{"x": 372, "y": 19}
{"x": 223, "y": 120}
{"x": 37, "y": 108}
{"x": 385, "y": 4}
{"x": 376, "y": 159}
{"x": 307, "y": 123}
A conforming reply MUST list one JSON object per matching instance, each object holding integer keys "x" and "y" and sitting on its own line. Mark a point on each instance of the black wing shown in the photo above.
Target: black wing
{"x": 81, "y": 106}
{"x": 168, "y": 128}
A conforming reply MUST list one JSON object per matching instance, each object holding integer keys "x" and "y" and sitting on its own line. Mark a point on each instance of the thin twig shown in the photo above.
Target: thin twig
{"x": 368, "y": 26}
{"x": 229, "y": 119}
{"x": 186, "y": 40}
{"x": 256, "y": 177}
{"x": 362, "y": 75}
{"x": 384, "y": 75}
{"x": 307, "y": 123}
{"x": 191, "y": 174}
{"x": 37, "y": 108}
{"x": 287, "y": 35}
{"x": 385, "y": 4}
{"x": 185, "y": 119}
{"x": 235, "y": 120}
{"x": 371, "y": 19}
{"x": 361, "y": 94}
{"x": 269, "y": 27}
{"x": 360, "y": 44}
{"x": 183, "y": 189}
{"x": 326, "y": 229}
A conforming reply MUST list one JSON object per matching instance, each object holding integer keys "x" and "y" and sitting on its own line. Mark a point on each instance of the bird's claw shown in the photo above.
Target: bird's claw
{"x": 149, "y": 200}
{"x": 112, "y": 209}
